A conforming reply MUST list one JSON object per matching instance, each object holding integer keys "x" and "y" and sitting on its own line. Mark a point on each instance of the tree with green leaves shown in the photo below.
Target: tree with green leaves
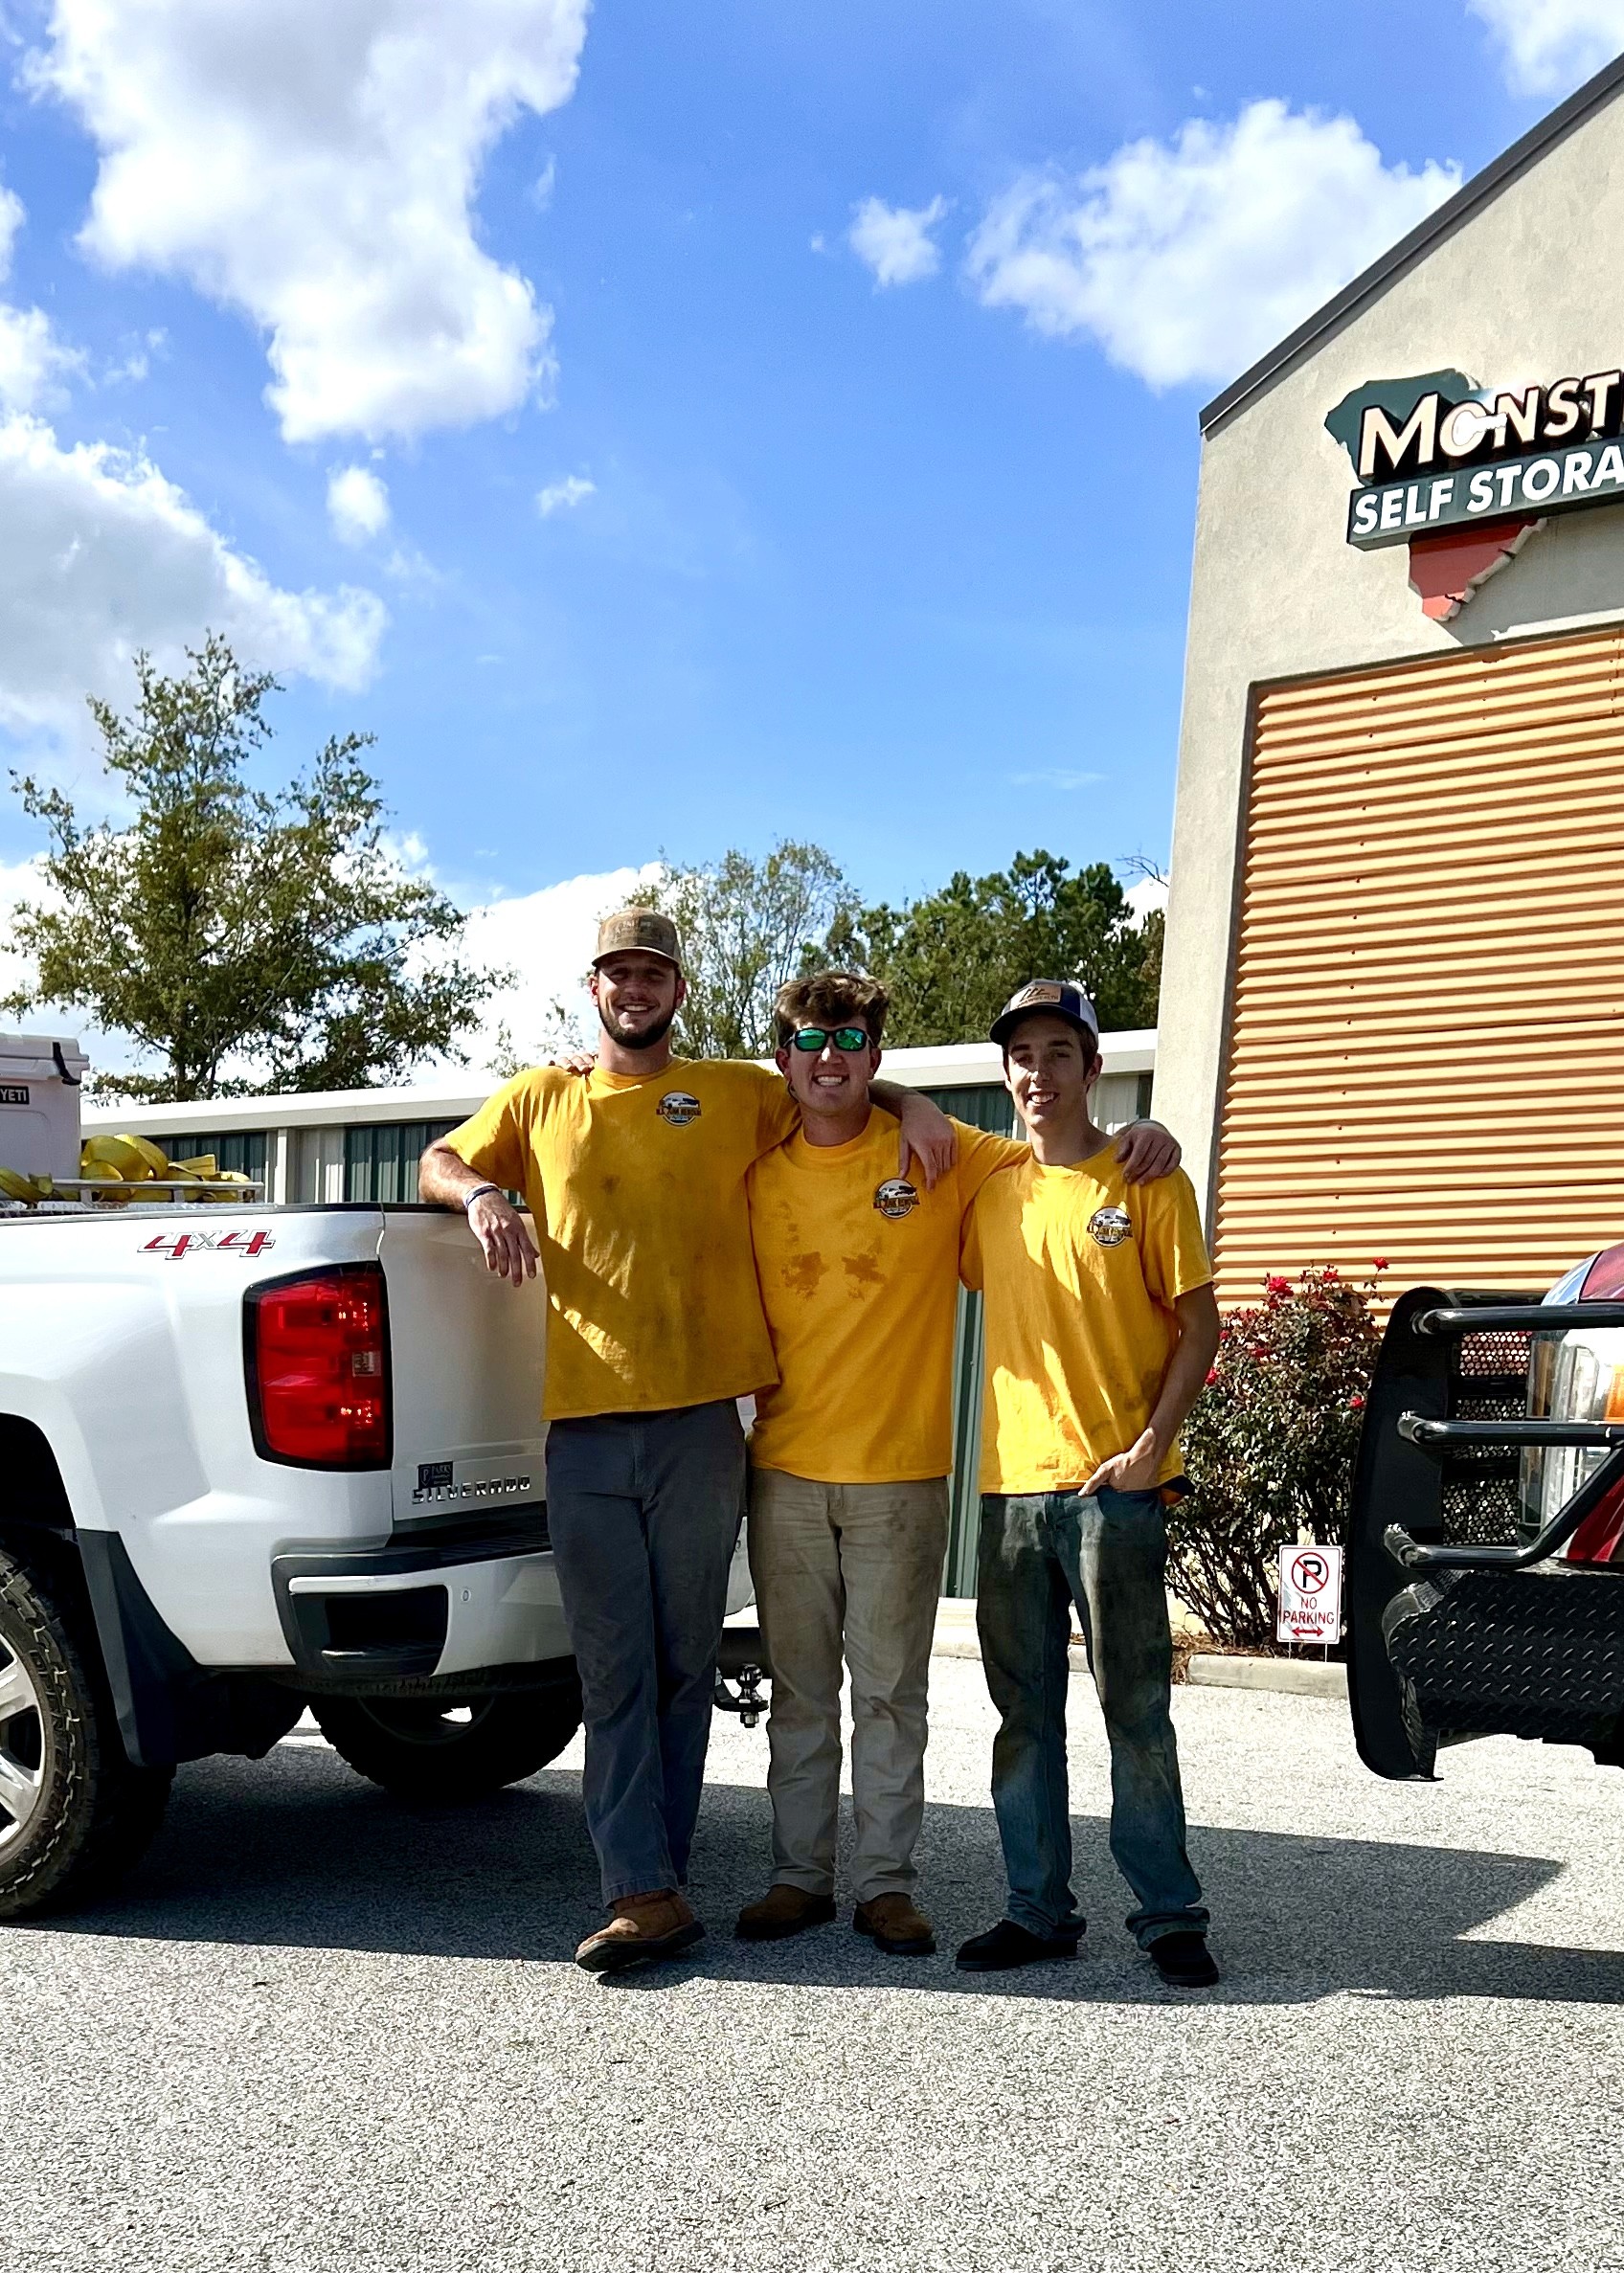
{"x": 248, "y": 940}
{"x": 952, "y": 959}
{"x": 746, "y": 927}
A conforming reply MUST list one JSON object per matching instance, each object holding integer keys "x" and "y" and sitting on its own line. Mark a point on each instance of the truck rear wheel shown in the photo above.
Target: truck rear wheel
{"x": 74, "y": 1813}
{"x": 441, "y": 1753}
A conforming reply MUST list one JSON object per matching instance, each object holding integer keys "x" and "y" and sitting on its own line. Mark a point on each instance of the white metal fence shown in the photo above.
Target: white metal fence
{"x": 363, "y": 1145}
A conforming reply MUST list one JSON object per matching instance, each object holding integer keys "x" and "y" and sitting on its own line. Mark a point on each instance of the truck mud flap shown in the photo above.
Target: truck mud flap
{"x": 169, "y": 1708}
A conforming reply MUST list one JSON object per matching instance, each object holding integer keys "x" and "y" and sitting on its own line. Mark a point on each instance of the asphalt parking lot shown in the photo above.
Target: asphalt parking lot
{"x": 320, "y": 2031}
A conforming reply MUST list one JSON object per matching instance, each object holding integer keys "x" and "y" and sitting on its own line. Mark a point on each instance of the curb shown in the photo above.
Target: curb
{"x": 1296, "y": 1677}
{"x": 956, "y": 1645}
{"x": 956, "y": 1629}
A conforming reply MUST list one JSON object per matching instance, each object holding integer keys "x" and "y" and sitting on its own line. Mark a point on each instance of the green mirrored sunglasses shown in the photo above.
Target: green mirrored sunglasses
{"x": 811, "y": 1038}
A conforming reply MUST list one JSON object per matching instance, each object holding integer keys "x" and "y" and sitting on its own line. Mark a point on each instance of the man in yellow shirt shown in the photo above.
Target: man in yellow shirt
{"x": 635, "y": 1179}
{"x": 849, "y": 1455}
{"x": 1100, "y": 1328}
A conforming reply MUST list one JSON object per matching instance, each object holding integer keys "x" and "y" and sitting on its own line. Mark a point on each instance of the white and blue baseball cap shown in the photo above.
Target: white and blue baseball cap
{"x": 1059, "y": 998}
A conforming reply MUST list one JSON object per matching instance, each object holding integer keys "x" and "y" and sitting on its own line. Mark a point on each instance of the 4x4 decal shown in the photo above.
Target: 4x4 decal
{"x": 175, "y": 1245}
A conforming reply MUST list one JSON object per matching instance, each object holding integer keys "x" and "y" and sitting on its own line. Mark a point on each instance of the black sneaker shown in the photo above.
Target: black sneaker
{"x": 1184, "y": 1960}
{"x": 1008, "y": 1944}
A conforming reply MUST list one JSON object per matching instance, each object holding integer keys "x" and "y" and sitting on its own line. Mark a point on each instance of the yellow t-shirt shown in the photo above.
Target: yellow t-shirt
{"x": 637, "y": 1188}
{"x": 859, "y": 1272}
{"x": 1079, "y": 1270}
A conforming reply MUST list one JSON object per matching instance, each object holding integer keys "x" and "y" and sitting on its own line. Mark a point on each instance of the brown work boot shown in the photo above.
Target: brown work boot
{"x": 893, "y": 1924}
{"x": 642, "y": 1929}
{"x": 783, "y": 1910}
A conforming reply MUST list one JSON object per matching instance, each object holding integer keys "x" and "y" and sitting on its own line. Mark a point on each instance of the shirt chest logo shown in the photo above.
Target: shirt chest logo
{"x": 895, "y": 1198}
{"x": 678, "y": 1107}
{"x": 1109, "y": 1227}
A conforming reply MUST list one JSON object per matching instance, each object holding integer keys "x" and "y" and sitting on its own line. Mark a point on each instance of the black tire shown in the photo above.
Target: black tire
{"x": 441, "y": 1753}
{"x": 74, "y": 1813}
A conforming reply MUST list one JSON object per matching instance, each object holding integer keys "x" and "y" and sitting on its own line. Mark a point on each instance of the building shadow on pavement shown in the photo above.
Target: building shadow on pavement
{"x": 295, "y": 1852}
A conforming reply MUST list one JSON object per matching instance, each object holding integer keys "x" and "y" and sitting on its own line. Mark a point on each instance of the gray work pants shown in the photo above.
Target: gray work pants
{"x": 644, "y": 1511}
{"x": 852, "y": 1569}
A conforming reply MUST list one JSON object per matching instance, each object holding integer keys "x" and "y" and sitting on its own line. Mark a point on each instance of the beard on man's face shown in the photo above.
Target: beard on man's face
{"x": 649, "y": 1037}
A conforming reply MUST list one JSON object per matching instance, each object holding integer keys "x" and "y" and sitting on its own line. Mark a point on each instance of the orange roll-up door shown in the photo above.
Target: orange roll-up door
{"x": 1426, "y": 1050}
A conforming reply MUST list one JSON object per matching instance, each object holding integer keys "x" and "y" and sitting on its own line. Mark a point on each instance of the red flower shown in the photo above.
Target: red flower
{"x": 1212, "y": 1375}
{"x": 1356, "y": 1405}
{"x": 1378, "y": 1263}
{"x": 1277, "y": 1286}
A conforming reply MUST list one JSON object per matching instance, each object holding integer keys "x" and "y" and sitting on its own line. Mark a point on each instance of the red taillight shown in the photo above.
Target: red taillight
{"x": 317, "y": 1351}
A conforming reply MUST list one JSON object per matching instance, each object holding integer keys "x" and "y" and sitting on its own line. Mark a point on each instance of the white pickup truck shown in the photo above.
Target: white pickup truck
{"x": 253, "y": 1460}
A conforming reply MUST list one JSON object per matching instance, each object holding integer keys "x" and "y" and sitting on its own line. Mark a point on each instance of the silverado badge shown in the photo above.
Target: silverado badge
{"x": 895, "y": 1198}
{"x": 679, "y": 1108}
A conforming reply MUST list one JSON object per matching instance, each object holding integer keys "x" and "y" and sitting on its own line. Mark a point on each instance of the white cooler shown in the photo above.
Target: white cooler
{"x": 39, "y": 1091}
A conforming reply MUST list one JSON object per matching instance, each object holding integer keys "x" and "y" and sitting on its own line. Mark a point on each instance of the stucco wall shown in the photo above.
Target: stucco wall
{"x": 1528, "y": 289}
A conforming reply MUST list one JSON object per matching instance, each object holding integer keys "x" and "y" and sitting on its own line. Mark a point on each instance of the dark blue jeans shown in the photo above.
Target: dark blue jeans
{"x": 644, "y": 1511}
{"x": 1040, "y": 1553}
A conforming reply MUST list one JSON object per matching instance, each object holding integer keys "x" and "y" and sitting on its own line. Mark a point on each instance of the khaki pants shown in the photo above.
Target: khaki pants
{"x": 854, "y": 1567}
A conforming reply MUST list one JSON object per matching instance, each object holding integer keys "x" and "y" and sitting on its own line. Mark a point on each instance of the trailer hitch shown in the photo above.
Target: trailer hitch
{"x": 742, "y": 1655}
{"x": 747, "y": 1701}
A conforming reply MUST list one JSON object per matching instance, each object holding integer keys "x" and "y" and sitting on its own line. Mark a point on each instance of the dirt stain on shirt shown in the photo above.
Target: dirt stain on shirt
{"x": 803, "y": 1274}
{"x": 861, "y": 1272}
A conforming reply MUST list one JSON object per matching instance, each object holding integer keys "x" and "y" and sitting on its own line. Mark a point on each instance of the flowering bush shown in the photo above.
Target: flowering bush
{"x": 1270, "y": 1445}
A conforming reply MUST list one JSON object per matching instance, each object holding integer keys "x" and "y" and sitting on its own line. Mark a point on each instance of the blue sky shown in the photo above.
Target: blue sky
{"x": 897, "y": 564}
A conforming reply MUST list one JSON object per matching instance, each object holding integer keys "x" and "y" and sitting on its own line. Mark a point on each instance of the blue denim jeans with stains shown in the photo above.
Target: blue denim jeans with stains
{"x": 1041, "y": 1552}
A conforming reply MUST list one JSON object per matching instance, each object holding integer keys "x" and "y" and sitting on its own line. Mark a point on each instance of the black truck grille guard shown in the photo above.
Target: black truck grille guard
{"x": 1506, "y": 1435}
{"x": 1460, "y": 1623}
{"x": 1503, "y": 1652}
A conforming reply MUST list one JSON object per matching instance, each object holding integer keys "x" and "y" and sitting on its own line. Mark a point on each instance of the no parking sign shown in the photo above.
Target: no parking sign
{"x": 1311, "y": 1594}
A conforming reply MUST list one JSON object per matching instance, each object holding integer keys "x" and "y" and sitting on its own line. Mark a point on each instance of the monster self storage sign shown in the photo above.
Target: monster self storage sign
{"x": 1440, "y": 452}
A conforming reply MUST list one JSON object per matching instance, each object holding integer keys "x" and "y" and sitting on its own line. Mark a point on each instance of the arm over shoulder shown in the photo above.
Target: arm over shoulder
{"x": 776, "y": 1113}
{"x": 982, "y": 1154}
{"x": 970, "y": 1249}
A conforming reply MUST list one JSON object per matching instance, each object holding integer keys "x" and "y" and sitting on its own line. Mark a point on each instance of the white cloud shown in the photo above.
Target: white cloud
{"x": 1056, "y": 777}
{"x": 562, "y": 497}
{"x": 1187, "y": 261}
{"x": 31, "y": 357}
{"x": 104, "y": 556}
{"x": 109, "y": 1050}
{"x": 895, "y": 241}
{"x": 315, "y": 166}
{"x": 357, "y": 505}
{"x": 546, "y": 937}
{"x": 1551, "y": 45}
{"x": 19, "y": 881}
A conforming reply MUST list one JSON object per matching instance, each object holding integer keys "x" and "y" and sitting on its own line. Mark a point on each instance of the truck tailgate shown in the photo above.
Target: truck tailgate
{"x": 466, "y": 1350}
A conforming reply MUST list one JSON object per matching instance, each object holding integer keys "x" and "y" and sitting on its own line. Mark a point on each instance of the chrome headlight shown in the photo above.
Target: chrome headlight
{"x": 1578, "y": 1377}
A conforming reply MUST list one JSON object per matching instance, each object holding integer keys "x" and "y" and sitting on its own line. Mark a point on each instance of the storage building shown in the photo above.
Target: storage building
{"x": 1392, "y": 1010}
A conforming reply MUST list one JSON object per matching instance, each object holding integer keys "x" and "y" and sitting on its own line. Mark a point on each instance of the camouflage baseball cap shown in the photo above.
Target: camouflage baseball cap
{"x": 644, "y": 928}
